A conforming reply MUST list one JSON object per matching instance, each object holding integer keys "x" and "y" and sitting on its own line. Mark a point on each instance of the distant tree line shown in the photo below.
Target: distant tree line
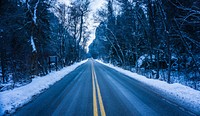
{"x": 33, "y": 30}
{"x": 150, "y": 35}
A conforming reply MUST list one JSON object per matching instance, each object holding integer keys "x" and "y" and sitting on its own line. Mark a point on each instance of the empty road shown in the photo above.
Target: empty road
{"x": 96, "y": 90}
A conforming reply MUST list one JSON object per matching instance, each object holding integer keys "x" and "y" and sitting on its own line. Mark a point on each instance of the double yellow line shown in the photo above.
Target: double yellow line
{"x": 94, "y": 82}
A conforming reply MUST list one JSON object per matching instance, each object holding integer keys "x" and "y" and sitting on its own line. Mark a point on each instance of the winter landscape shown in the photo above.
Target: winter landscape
{"x": 100, "y": 57}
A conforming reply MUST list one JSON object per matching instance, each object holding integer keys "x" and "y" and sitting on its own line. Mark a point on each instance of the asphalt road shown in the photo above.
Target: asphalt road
{"x": 94, "y": 90}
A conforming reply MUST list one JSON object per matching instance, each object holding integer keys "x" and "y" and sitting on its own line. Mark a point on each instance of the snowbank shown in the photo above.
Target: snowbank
{"x": 12, "y": 99}
{"x": 177, "y": 93}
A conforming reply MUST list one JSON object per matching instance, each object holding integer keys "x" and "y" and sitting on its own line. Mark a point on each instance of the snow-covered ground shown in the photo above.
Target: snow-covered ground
{"x": 177, "y": 93}
{"x": 12, "y": 99}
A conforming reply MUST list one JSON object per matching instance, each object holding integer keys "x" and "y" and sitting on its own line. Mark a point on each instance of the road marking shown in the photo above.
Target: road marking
{"x": 95, "y": 111}
{"x": 100, "y": 98}
{"x": 94, "y": 81}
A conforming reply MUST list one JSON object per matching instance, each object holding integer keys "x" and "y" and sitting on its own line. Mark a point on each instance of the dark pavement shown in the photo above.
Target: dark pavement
{"x": 94, "y": 89}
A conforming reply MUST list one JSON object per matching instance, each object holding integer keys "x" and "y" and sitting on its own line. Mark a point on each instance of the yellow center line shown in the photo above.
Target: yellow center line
{"x": 100, "y": 98}
{"x": 94, "y": 81}
{"x": 95, "y": 111}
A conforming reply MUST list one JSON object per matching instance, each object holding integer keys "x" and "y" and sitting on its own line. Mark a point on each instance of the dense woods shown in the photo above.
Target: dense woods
{"x": 156, "y": 38}
{"x": 33, "y": 30}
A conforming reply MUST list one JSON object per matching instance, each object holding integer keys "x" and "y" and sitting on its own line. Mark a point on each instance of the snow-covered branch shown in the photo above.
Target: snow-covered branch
{"x": 33, "y": 45}
{"x": 35, "y": 13}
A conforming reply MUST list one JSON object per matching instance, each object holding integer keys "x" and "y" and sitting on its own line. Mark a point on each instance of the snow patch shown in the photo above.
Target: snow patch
{"x": 177, "y": 93}
{"x": 23, "y": 1}
{"x": 12, "y": 99}
{"x": 141, "y": 60}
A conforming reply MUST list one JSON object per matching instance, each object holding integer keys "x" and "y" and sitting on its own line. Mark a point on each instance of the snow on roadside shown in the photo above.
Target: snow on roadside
{"x": 177, "y": 93}
{"x": 12, "y": 99}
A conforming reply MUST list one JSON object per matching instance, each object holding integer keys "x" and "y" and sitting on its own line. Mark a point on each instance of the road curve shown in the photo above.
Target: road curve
{"x": 96, "y": 90}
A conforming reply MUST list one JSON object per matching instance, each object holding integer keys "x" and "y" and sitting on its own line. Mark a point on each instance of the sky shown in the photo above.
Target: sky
{"x": 94, "y": 6}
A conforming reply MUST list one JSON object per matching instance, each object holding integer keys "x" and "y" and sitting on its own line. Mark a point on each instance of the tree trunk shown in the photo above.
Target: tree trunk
{"x": 169, "y": 60}
{"x": 158, "y": 65}
{"x": 3, "y": 63}
{"x": 152, "y": 29}
{"x": 80, "y": 35}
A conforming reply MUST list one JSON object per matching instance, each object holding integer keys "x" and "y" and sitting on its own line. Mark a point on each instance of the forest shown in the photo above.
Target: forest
{"x": 33, "y": 31}
{"x": 159, "y": 39}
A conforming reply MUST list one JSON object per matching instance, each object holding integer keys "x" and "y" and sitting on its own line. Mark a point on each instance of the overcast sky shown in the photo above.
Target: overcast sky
{"x": 95, "y": 4}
